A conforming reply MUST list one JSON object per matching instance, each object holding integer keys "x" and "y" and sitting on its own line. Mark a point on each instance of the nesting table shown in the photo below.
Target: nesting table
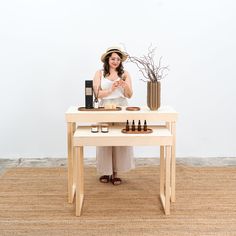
{"x": 79, "y": 135}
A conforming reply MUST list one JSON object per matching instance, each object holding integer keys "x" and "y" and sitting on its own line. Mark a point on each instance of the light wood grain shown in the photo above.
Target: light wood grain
{"x": 173, "y": 161}
{"x": 84, "y": 137}
{"x": 70, "y": 132}
{"x": 164, "y": 136}
{"x": 79, "y": 180}
{"x": 167, "y": 181}
{"x": 162, "y": 114}
{"x": 162, "y": 169}
{"x": 160, "y": 136}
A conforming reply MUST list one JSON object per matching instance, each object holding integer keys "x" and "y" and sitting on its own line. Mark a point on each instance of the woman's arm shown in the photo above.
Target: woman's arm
{"x": 127, "y": 85}
{"x": 97, "y": 86}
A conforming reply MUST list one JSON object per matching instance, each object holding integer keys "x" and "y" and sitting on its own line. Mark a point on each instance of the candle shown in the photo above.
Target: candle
{"x": 94, "y": 128}
{"x": 104, "y": 128}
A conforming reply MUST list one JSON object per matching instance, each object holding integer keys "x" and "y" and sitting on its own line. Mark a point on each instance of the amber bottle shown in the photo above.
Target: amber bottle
{"x": 127, "y": 126}
{"x": 133, "y": 126}
{"x": 145, "y": 126}
{"x": 139, "y": 125}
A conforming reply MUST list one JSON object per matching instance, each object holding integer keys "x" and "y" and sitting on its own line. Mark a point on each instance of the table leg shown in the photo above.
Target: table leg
{"x": 70, "y": 132}
{"x": 79, "y": 180}
{"x": 167, "y": 180}
{"x": 165, "y": 173}
{"x": 173, "y": 162}
{"x": 162, "y": 169}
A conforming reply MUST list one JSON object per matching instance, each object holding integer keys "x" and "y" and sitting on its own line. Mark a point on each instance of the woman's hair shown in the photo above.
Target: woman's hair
{"x": 106, "y": 67}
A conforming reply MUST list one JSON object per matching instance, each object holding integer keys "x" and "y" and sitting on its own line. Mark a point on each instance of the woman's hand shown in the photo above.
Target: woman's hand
{"x": 119, "y": 84}
{"x": 122, "y": 83}
{"x": 115, "y": 85}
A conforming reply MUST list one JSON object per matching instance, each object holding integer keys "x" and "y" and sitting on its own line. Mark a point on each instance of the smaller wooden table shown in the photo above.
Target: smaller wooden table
{"x": 160, "y": 136}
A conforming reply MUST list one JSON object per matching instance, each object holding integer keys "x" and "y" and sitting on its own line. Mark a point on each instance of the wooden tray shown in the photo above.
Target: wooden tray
{"x": 136, "y": 131}
{"x": 133, "y": 108}
{"x": 98, "y": 109}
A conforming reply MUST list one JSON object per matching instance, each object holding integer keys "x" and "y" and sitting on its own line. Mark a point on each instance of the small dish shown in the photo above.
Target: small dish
{"x": 133, "y": 108}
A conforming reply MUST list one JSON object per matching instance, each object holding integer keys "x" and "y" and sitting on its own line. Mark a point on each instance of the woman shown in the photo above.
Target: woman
{"x": 113, "y": 86}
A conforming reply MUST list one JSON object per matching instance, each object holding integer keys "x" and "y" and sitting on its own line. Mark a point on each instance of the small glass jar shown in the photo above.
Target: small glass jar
{"x": 104, "y": 128}
{"x": 94, "y": 128}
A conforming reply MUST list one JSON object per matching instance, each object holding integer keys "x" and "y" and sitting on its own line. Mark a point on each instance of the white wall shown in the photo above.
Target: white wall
{"x": 48, "y": 48}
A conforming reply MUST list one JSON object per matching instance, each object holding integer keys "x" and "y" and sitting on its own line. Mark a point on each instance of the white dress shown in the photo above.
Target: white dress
{"x": 117, "y": 158}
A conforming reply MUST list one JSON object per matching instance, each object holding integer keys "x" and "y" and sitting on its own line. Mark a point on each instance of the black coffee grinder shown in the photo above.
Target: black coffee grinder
{"x": 88, "y": 94}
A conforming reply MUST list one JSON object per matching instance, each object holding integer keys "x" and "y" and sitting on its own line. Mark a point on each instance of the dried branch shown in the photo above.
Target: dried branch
{"x": 148, "y": 68}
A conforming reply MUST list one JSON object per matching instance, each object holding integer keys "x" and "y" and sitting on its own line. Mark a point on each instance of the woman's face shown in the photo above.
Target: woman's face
{"x": 114, "y": 60}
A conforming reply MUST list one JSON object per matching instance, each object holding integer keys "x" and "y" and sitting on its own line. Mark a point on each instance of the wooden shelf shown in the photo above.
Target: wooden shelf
{"x": 84, "y": 137}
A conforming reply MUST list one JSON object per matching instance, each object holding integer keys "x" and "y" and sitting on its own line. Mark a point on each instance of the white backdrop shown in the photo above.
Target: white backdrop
{"x": 48, "y": 48}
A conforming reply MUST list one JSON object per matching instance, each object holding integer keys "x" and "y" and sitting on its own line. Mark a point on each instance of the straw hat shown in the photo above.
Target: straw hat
{"x": 114, "y": 49}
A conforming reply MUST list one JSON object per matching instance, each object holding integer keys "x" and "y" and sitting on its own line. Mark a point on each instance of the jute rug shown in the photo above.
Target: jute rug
{"x": 33, "y": 201}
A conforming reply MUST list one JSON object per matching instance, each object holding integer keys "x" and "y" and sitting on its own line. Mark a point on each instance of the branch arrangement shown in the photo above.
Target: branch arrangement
{"x": 148, "y": 68}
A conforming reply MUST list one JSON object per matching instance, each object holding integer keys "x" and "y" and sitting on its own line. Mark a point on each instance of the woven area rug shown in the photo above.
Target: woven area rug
{"x": 33, "y": 201}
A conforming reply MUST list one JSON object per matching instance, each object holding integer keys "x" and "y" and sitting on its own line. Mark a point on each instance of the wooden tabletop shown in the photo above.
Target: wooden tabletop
{"x": 164, "y": 113}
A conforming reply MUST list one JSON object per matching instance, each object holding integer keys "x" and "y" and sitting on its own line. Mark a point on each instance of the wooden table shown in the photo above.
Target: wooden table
{"x": 80, "y": 136}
